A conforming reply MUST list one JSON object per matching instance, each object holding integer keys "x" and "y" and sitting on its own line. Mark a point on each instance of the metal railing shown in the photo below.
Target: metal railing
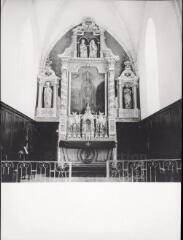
{"x": 19, "y": 171}
{"x": 151, "y": 170}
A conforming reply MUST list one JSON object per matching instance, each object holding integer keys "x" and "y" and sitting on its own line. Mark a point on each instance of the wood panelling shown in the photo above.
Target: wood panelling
{"x": 163, "y": 132}
{"x": 16, "y": 131}
{"x": 46, "y": 141}
{"x": 158, "y": 136}
{"x": 131, "y": 141}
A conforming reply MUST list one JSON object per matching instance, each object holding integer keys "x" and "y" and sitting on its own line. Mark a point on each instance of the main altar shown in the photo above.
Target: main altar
{"x": 83, "y": 99}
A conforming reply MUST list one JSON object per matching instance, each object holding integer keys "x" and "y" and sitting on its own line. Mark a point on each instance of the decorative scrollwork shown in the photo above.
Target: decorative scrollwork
{"x": 44, "y": 165}
{"x": 167, "y": 164}
{"x": 24, "y": 165}
{"x": 62, "y": 167}
{"x": 7, "y": 164}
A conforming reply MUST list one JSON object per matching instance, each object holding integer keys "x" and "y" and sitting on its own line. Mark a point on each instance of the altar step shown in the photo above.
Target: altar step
{"x": 89, "y": 170}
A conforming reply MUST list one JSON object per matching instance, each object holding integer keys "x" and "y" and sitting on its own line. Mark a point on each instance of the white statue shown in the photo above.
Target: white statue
{"x": 76, "y": 124}
{"x": 47, "y": 95}
{"x": 93, "y": 49}
{"x": 101, "y": 123}
{"x": 88, "y": 109}
{"x": 83, "y": 49}
{"x": 128, "y": 97}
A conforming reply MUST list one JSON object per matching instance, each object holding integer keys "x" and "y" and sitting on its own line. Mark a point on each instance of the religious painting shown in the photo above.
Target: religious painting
{"x": 87, "y": 88}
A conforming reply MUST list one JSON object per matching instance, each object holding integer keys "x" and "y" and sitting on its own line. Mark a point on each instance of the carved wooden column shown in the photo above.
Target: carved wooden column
{"x": 40, "y": 94}
{"x": 135, "y": 95}
{"x": 122, "y": 88}
{"x": 119, "y": 94}
{"x": 111, "y": 90}
{"x": 64, "y": 100}
{"x": 111, "y": 100}
{"x": 55, "y": 88}
{"x": 64, "y": 89}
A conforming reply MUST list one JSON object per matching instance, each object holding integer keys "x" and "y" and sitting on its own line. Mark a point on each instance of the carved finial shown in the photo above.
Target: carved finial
{"x": 128, "y": 64}
{"x": 88, "y": 109}
{"x": 48, "y": 62}
{"x": 48, "y": 70}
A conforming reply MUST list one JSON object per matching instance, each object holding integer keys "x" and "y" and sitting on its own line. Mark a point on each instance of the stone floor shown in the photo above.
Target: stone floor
{"x": 73, "y": 179}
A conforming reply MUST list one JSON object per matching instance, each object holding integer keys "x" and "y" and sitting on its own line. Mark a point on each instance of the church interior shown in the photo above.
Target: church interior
{"x": 91, "y": 90}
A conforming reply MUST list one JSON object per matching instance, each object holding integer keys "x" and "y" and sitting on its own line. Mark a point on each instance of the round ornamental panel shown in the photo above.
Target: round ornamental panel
{"x": 87, "y": 155}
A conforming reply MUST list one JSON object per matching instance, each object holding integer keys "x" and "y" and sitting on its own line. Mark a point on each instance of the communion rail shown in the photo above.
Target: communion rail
{"x": 151, "y": 170}
{"x": 22, "y": 171}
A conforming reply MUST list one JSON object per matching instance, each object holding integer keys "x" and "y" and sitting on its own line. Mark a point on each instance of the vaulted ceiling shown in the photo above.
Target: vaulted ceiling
{"x": 31, "y": 28}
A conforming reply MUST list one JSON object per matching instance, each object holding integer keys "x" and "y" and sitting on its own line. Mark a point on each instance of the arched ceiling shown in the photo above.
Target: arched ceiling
{"x": 61, "y": 16}
{"x": 49, "y": 20}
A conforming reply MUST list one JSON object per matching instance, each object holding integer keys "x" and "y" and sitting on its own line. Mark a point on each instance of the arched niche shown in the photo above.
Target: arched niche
{"x": 65, "y": 41}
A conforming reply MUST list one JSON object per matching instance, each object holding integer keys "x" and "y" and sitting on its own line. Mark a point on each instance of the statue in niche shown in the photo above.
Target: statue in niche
{"x": 88, "y": 123}
{"x": 70, "y": 126}
{"x": 88, "y": 109}
{"x": 83, "y": 49}
{"x": 47, "y": 95}
{"x": 87, "y": 92}
{"x": 93, "y": 49}
{"x": 76, "y": 125}
{"x": 101, "y": 125}
{"x": 128, "y": 98}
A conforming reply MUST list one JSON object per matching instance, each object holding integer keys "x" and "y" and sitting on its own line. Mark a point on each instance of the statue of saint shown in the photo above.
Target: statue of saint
{"x": 88, "y": 109}
{"x": 83, "y": 49}
{"x": 128, "y": 97}
{"x": 93, "y": 49}
{"x": 76, "y": 124}
{"x": 47, "y": 95}
{"x": 87, "y": 92}
{"x": 101, "y": 122}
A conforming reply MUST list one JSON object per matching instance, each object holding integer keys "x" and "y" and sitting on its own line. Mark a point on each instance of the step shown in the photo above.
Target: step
{"x": 88, "y": 170}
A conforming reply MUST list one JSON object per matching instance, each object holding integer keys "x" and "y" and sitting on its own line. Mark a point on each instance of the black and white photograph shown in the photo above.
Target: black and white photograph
{"x": 91, "y": 119}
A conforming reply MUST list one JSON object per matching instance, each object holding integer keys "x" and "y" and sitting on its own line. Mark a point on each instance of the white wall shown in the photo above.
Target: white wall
{"x": 168, "y": 38}
{"x": 18, "y": 57}
{"x": 48, "y": 20}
